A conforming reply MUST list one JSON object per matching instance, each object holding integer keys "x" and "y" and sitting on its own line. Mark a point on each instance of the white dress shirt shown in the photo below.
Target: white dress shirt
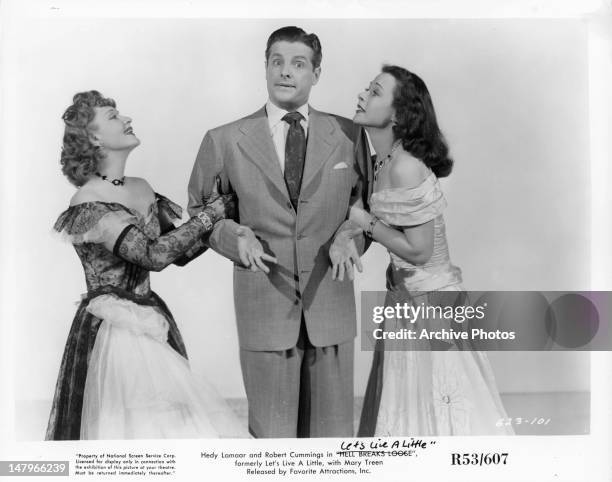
{"x": 279, "y": 128}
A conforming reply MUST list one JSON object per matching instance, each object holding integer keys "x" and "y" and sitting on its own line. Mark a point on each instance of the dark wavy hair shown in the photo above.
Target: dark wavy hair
{"x": 296, "y": 34}
{"x": 80, "y": 157}
{"x": 416, "y": 123}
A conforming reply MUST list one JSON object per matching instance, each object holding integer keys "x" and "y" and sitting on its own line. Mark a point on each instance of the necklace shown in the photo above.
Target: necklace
{"x": 114, "y": 182}
{"x": 380, "y": 163}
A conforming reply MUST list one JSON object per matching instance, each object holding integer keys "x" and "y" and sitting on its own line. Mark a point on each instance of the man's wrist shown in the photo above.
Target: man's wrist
{"x": 347, "y": 231}
{"x": 364, "y": 220}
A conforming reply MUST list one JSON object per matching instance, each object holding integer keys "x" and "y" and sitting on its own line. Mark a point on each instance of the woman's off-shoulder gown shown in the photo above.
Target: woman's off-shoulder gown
{"x": 124, "y": 373}
{"x": 414, "y": 391}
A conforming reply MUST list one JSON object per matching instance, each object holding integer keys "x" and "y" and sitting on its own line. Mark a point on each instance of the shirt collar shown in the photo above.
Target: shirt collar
{"x": 276, "y": 114}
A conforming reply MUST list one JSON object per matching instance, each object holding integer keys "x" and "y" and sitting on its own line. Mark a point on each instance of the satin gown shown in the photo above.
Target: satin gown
{"x": 420, "y": 392}
{"x": 124, "y": 373}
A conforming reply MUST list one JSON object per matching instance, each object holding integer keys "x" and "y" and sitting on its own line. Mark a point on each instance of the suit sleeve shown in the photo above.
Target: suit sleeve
{"x": 207, "y": 178}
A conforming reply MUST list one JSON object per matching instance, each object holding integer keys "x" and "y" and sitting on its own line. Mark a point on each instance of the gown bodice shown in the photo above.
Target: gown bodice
{"x": 88, "y": 224}
{"x": 419, "y": 387}
{"x": 403, "y": 207}
{"x": 124, "y": 373}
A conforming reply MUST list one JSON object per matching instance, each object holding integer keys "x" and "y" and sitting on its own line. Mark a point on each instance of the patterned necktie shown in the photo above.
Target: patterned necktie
{"x": 295, "y": 153}
{"x": 376, "y": 167}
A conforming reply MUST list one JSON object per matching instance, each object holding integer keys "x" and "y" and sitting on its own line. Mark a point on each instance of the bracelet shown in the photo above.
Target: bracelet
{"x": 206, "y": 220}
{"x": 370, "y": 229}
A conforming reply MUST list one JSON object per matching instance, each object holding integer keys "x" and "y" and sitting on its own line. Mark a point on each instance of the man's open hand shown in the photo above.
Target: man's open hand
{"x": 251, "y": 251}
{"x": 343, "y": 252}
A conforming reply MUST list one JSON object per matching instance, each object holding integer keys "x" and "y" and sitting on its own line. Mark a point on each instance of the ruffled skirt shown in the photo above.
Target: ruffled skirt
{"x": 421, "y": 392}
{"x": 136, "y": 385}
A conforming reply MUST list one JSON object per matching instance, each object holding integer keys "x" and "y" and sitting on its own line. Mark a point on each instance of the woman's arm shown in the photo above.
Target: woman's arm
{"x": 166, "y": 225}
{"x": 154, "y": 255}
{"x": 134, "y": 246}
{"x": 412, "y": 243}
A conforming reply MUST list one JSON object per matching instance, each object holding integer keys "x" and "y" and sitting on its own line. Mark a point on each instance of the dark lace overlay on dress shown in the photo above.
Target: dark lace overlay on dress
{"x": 140, "y": 247}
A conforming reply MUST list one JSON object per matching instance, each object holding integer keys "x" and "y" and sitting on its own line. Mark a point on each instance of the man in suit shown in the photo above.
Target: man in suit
{"x": 295, "y": 172}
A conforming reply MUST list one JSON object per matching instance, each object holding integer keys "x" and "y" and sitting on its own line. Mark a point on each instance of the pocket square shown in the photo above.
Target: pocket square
{"x": 341, "y": 165}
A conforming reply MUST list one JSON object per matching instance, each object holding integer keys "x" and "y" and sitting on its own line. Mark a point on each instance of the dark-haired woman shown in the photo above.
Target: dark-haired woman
{"x": 124, "y": 373}
{"x": 414, "y": 387}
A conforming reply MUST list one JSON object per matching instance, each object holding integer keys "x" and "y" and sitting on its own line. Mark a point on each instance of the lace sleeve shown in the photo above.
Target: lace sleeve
{"x": 168, "y": 209}
{"x": 93, "y": 222}
{"x": 134, "y": 246}
{"x": 169, "y": 212}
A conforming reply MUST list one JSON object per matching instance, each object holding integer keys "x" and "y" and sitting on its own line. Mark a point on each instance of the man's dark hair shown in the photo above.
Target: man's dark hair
{"x": 296, "y": 34}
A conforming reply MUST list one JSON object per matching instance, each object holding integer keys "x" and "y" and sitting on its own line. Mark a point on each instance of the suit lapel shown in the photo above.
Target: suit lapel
{"x": 322, "y": 141}
{"x": 362, "y": 153}
{"x": 257, "y": 146}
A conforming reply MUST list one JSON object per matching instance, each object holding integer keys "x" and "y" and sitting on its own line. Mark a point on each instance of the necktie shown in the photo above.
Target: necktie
{"x": 295, "y": 153}
{"x": 376, "y": 167}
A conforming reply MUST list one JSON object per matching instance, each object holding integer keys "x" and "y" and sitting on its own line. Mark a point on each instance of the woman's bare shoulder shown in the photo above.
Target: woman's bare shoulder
{"x": 140, "y": 187}
{"x": 86, "y": 193}
{"x": 407, "y": 171}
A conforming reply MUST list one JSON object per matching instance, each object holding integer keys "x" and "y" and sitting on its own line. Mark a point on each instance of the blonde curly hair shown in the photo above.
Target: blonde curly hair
{"x": 80, "y": 158}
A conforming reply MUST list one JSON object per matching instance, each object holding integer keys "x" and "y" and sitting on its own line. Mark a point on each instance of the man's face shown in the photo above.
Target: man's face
{"x": 290, "y": 74}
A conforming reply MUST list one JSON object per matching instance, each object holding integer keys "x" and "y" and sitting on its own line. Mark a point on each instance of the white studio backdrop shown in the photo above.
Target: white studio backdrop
{"x": 511, "y": 97}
